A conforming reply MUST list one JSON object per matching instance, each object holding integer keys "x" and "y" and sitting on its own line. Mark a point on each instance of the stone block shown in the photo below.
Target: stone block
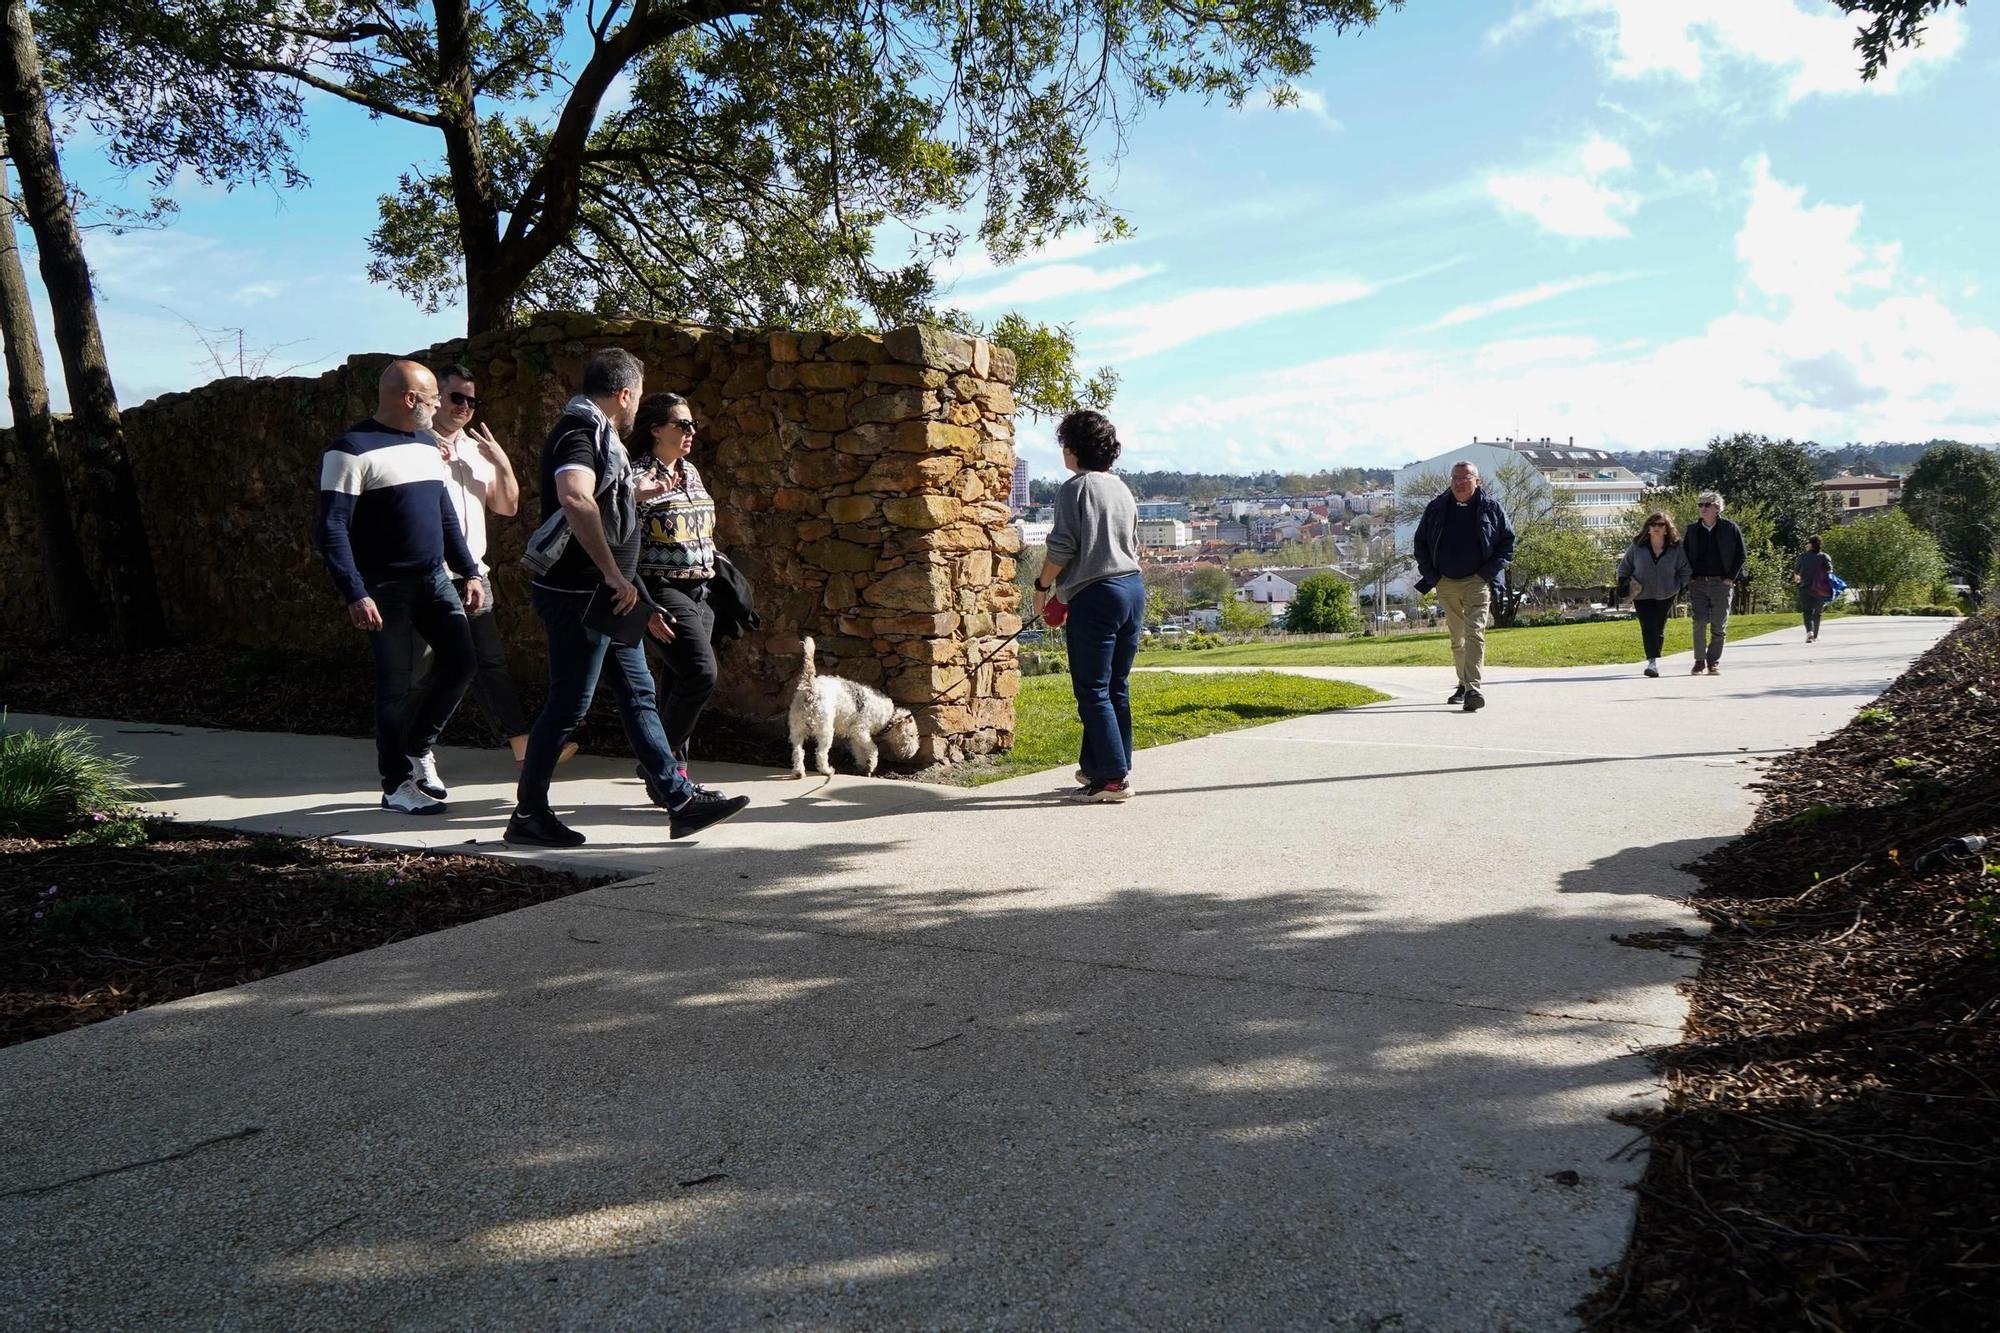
{"x": 911, "y": 588}
{"x": 1003, "y": 366}
{"x": 783, "y": 376}
{"x": 840, "y": 593}
{"x": 830, "y": 375}
{"x": 1007, "y": 540}
{"x": 923, "y": 437}
{"x": 896, "y": 373}
{"x": 745, "y": 379}
{"x": 921, "y": 511}
{"x": 863, "y": 347}
{"x": 824, "y": 468}
{"x": 982, "y": 357}
{"x": 870, "y": 439}
{"x": 963, "y": 414}
{"x": 995, "y": 398}
{"x": 791, "y": 500}
{"x": 929, "y": 345}
{"x": 902, "y": 404}
{"x": 826, "y": 411}
{"x": 784, "y": 347}
{"x": 850, "y": 508}
{"x": 834, "y": 555}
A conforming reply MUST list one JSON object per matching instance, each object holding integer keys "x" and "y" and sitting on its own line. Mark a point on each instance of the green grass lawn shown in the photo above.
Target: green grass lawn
{"x": 1597, "y": 644}
{"x": 1164, "y": 709}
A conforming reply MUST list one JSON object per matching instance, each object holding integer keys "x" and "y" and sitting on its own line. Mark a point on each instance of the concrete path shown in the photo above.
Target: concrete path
{"x": 1323, "y": 1030}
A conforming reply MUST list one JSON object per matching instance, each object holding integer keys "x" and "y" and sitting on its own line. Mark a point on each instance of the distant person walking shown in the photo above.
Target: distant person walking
{"x": 586, "y": 475}
{"x": 479, "y": 477}
{"x": 1655, "y": 571}
{"x": 1093, "y": 565}
{"x": 1463, "y": 546}
{"x": 1716, "y": 551}
{"x": 1813, "y": 573}
{"x": 386, "y": 531}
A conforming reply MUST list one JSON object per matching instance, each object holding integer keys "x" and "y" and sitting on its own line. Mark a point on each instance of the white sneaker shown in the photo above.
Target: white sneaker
{"x": 409, "y": 800}
{"x": 424, "y": 772}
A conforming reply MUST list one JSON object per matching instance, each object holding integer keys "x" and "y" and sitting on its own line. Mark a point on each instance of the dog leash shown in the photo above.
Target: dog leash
{"x": 1034, "y": 618}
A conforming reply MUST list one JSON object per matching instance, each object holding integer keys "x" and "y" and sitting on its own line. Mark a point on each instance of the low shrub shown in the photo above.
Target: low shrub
{"x": 1044, "y": 662}
{"x": 1923, "y": 611}
{"x": 86, "y": 919}
{"x": 110, "y": 830}
{"x": 51, "y": 784}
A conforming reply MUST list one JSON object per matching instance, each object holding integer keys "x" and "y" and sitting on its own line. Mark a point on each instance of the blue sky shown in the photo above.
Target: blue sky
{"x": 1632, "y": 222}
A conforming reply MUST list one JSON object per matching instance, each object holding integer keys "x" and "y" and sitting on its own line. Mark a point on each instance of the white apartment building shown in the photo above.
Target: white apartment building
{"x": 1017, "y": 496}
{"x": 1605, "y": 491}
{"x": 1165, "y": 533}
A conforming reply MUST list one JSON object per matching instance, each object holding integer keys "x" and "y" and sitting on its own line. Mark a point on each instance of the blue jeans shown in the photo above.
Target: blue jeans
{"x": 1103, "y": 636}
{"x": 577, "y": 655}
{"x": 410, "y": 714}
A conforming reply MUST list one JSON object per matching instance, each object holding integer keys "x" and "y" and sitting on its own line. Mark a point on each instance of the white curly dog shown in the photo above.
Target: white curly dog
{"x": 824, "y": 707}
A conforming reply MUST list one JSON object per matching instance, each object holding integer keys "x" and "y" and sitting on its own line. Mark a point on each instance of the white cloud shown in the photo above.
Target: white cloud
{"x": 1571, "y": 196}
{"x": 973, "y": 263}
{"x": 1052, "y": 282}
{"x": 1143, "y": 330}
{"x": 1307, "y": 102}
{"x": 1540, "y": 292}
{"x": 1834, "y": 343}
{"x": 1811, "y": 43}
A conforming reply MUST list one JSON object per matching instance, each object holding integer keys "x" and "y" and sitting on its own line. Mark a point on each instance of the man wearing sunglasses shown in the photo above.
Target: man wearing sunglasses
{"x": 1716, "y": 552}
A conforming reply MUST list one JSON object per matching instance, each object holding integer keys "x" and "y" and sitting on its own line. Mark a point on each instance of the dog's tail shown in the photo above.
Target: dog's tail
{"x": 807, "y": 672}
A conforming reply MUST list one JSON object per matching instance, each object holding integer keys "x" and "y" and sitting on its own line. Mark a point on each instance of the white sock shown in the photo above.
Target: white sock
{"x": 1653, "y": 662}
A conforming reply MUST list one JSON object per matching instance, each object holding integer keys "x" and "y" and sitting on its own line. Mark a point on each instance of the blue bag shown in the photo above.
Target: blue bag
{"x": 1838, "y": 584}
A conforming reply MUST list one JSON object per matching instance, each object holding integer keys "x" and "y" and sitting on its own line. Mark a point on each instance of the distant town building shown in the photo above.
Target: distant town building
{"x": 1170, "y": 534}
{"x": 1163, "y": 509}
{"x": 1017, "y": 498}
{"x": 1035, "y": 532}
{"x": 1604, "y": 489}
{"x": 1863, "y": 497}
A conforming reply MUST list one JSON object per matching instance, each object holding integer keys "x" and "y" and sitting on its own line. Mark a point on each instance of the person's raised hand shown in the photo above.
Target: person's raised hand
{"x": 364, "y": 614}
{"x": 483, "y": 439}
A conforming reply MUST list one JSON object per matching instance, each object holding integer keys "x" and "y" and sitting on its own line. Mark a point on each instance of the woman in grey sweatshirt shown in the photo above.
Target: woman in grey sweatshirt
{"x": 1093, "y": 565}
{"x": 1656, "y": 570}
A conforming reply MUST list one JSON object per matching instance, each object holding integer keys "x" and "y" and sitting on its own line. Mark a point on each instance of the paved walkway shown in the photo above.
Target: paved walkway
{"x": 1323, "y": 1030}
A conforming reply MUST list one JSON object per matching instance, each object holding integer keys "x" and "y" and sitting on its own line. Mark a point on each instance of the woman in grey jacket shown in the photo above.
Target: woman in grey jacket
{"x": 1655, "y": 571}
{"x": 1093, "y": 566}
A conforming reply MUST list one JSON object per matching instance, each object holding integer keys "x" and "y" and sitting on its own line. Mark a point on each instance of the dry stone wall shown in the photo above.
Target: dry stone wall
{"x": 861, "y": 483}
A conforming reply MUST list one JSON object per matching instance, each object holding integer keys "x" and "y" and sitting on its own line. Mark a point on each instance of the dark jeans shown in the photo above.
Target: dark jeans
{"x": 1653, "y": 612}
{"x": 577, "y": 655}
{"x": 1811, "y": 607}
{"x": 1103, "y": 637}
{"x": 409, "y": 715}
{"x": 689, "y": 661}
{"x": 492, "y": 685}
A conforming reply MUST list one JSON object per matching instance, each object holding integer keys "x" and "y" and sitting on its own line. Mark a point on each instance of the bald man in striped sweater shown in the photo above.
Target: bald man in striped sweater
{"x": 387, "y": 530}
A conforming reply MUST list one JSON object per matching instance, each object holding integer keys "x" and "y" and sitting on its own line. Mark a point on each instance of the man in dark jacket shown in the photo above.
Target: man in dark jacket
{"x": 1715, "y": 549}
{"x": 1464, "y": 543}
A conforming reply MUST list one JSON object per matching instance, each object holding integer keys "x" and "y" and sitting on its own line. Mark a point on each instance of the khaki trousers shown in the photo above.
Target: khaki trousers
{"x": 1468, "y": 606}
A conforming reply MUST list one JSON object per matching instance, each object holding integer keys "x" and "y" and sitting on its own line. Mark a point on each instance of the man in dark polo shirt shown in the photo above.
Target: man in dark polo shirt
{"x": 1463, "y": 546}
{"x": 586, "y": 474}
{"x": 1715, "y": 548}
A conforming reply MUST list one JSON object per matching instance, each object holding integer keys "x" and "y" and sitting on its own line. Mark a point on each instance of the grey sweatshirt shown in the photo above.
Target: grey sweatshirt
{"x": 1096, "y": 536}
{"x": 1661, "y": 577}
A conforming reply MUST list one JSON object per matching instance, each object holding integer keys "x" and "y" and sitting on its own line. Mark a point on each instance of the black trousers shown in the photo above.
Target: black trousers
{"x": 1653, "y": 613}
{"x": 492, "y": 686}
{"x": 686, "y": 667}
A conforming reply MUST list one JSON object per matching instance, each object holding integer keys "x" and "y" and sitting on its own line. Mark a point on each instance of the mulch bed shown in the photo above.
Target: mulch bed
{"x": 88, "y": 932}
{"x": 1829, "y": 1155}
{"x": 267, "y": 689}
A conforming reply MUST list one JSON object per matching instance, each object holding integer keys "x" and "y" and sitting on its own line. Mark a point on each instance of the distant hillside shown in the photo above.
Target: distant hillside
{"x": 1201, "y": 487}
{"x": 1877, "y": 459}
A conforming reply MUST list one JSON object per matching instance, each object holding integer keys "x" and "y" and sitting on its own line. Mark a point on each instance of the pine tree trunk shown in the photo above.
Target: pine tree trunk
{"x": 111, "y": 493}
{"x": 72, "y": 604}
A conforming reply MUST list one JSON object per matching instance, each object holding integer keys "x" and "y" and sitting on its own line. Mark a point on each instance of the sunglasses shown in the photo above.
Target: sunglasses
{"x": 687, "y": 427}
{"x": 463, "y": 400}
{"x": 1656, "y": 525}
{"x": 1709, "y": 505}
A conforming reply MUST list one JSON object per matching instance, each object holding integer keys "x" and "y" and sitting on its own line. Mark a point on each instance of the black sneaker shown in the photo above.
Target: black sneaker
{"x": 1474, "y": 701}
{"x": 1457, "y": 696}
{"x": 539, "y": 828}
{"x": 699, "y": 811}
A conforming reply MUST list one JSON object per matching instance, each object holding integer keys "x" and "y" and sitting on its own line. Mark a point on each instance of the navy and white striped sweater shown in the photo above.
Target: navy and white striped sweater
{"x": 383, "y": 510}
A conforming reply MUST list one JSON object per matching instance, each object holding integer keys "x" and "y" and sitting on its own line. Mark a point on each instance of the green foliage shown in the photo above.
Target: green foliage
{"x": 51, "y": 784}
{"x": 1817, "y": 814}
{"x": 1876, "y": 717}
{"x": 1885, "y": 559}
{"x": 1166, "y": 707}
{"x": 744, "y": 180}
{"x": 1889, "y": 24}
{"x": 1241, "y": 617}
{"x": 1562, "y": 557}
{"x": 1779, "y": 475}
{"x": 1953, "y": 493}
{"x": 1209, "y": 585}
{"x": 1046, "y": 379}
{"x": 1044, "y": 662}
{"x": 90, "y": 918}
{"x": 1594, "y": 643}
{"x": 1324, "y": 605}
{"x": 1165, "y": 592}
{"x": 105, "y": 830}
{"x": 1027, "y": 568}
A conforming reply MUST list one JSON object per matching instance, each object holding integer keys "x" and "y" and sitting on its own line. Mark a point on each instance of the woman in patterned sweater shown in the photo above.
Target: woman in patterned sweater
{"x": 677, "y": 560}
